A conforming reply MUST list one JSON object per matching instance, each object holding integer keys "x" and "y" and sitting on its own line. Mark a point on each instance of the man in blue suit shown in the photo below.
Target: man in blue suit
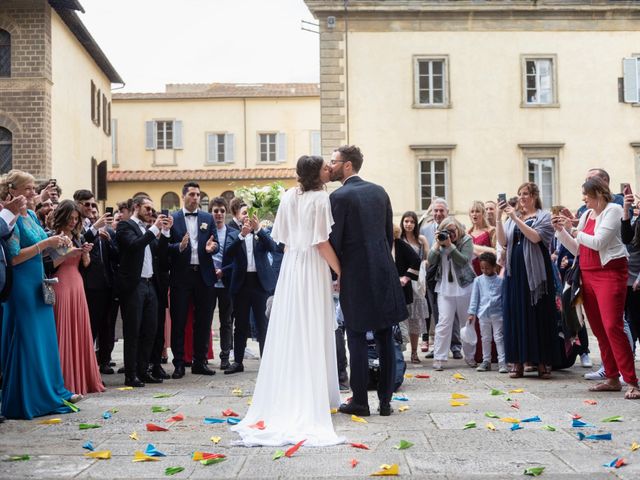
{"x": 194, "y": 239}
{"x": 252, "y": 281}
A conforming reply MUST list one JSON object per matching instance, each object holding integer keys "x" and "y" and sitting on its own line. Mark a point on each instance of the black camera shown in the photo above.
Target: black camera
{"x": 442, "y": 235}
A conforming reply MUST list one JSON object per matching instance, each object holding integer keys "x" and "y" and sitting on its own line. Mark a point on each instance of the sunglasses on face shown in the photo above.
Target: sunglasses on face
{"x": 89, "y": 205}
{"x": 219, "y": 210}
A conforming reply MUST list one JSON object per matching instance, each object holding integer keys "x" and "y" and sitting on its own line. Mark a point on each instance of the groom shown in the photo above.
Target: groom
{"x": 370, "y": 294}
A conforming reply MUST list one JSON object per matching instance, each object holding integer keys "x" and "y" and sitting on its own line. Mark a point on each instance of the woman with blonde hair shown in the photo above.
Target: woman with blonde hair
{"x": 32, "y": 378}
{"x": 483, "y": 234}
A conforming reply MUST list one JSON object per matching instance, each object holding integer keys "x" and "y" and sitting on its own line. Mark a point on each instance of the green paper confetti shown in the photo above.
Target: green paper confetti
{"x": 87, "y": 426}
{"x": 491, "y": 415}
{"x": 157, "y": 409}
{"x": 211, "y": 461}
{"x": 73, "y": 408}
{"x": 163, "y": 395}
{"x": 495, "y": 391}
{"x": 469, "y": 425}
{"x": 534, "y": 471}
{"x": 403, "y": 445}
{"x": 615, "y": 418}
{"x": 17, "y": 458}
{"x": 173, "y": 470}
{"x": 507, "y": 399}
{"x": 113, "y": 410}
{"x": 549, "y": 428}
{"x": 278, "y": 454}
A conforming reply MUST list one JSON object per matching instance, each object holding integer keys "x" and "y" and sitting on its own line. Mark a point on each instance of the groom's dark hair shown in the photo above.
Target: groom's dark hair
{"x": 351, "y": 153}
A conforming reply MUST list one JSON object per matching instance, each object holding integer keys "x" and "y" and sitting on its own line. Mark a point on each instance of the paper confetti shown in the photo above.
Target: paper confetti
{"x": 134, "y": 436}
{"x": 163, "y": 395}
{"x": 458, "y": 376}
{"x": 237, "y": 392}
{"x": 491, "y": 426}
{"x": 616, "y": 463}
{"x": 124, "y": 389}
{"x": 408, "y": 375}
{"x": 198, "y": 456}
{"x": 229, "y": 413}
{"x": 517, "y": 390}
{"x": 635, "y": 446}
{"x": 576, "y": 416}
{"x": 333, "y": 410}
{"x": 359, "y": 445}
{"x": 400, "y": 398}
{"x": 173, "y": 470}
{"x": 615, "y": 418}
{"x": 423, "y": 375}
{"x": 258, "y": 425}
{"x": 516, "y": 426}
{"x": 87, "y": 426}
{"x": 469, "y": 425}
{"x": 51, "y": 421}
{"x": 216, "y": 440}
{"x": 387, "y": 470}
{"x": 250, "y": 401}
{"x": 152, "y": 451}
{"x": 509, "y": 420}
{"x": 531, "y": 419}
{"x": 580, "y": 424}
{"x": 549, "y": 428}
{"x": 277, "y": 454}
{"x": 591, "y": 402}
{"x": 596, "y": 436}
{"x": 212, "y": 461}
{"x": 354, "y": 462}
{"x": 491, "y": 415}
{"x": 176, "y": 418}
{"x": 534, "y": 471}
{"x": 73, "y": 407}
{"x": 212, "y": 420}
{"x": 515, "y": 405}
{"x": 139, "y": 456}
{"x": 495, "y": 391}
{"x": 455, "y": 403}
{"x": 403, "y": 445}
{"x": 457, "y": 396}
{"x": 403, "y": 408}
{"x": 358, "y": 419}
{"x": 88, "y": 446}
{"x": 233, "y": 420}
{"x": 17, "y": 458}
{"x": 152, "y": 427}
{"x": 101, "y": 455}
{"x": 289, "y": 453}
{"x": 158, "y": 409}
{"x": 106, "y": 415}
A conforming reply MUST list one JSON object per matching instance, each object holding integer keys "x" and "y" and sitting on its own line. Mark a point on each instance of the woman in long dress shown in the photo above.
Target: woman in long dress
{"x": 297, "y": 382}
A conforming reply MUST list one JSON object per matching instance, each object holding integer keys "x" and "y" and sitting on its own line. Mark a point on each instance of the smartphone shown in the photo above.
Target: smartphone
{"x": 164, "y": 212}
{"x": 502, "y": 197}
{"x": 556, "y": 209}
{"x": 109, "y": 211}
{"x": 626, "y": 189}
{"x": 53, "y": 181}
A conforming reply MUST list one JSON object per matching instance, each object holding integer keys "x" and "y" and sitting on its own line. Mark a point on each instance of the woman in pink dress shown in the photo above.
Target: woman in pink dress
{"x": 77, "y": 356}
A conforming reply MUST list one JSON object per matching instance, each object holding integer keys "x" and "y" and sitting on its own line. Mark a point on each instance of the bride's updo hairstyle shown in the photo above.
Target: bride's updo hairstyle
{"x": 308, "y": 170}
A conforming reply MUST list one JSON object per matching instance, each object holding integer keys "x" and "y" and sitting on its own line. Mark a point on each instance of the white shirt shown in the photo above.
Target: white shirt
{"x": 147, "y": 265}
{"x": 251, "y": 261}
{"x": 217, "y": 257}
{"x": 8, "y": 216}
{"x": 192, "y": 227}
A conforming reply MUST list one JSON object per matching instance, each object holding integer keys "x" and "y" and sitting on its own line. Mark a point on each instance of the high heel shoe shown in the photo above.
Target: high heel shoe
{"x": 75, "y": 398}
{"x": 415, "y": 358}
{"x": 517, "y": 371}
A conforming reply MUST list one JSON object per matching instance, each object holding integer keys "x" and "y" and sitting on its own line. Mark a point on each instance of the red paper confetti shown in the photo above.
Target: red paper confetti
{"x": 152, "y": 427}
{"x": 576, "y": 416}
{"x": 259, "y": 425}
{"x": 620, "y": 463}
{"x": 515, "y": 405}
{"x": 207, "y": 456}
{"x": 354, "y": 462}
{"x": 359, "y": 445}
{"x": 176, "y": 418}
{"x": 289, "y": 453}
{"x": 229, "y": 413}
{"x": 590, "y": 402}
{"x": 422, "y": 375}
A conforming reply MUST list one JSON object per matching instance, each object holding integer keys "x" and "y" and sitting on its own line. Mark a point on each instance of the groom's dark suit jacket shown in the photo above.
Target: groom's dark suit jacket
{"x": 371, "y": 297}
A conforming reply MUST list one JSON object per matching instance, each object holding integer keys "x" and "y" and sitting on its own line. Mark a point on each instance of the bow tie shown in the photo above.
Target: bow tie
{"x": 191, "y": 214}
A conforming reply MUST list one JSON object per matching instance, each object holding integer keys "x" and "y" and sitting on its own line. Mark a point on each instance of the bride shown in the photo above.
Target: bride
{"x": 297, "y": 382}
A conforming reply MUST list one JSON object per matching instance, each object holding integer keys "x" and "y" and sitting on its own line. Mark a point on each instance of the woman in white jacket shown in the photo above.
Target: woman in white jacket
{"x": 603, "y": 266}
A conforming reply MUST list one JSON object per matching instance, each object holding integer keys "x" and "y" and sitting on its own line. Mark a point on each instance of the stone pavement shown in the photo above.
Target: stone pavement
{"x": 442, "y": 447}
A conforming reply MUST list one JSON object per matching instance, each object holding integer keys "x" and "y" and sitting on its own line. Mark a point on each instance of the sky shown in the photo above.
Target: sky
{"x": 154, "y": 42}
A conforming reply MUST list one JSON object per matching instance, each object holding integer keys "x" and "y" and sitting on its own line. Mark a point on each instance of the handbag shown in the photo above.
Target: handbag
{"x": 573, "y": 278}
{"x": 421, "y": 283}
{"x": 48, "y": 293}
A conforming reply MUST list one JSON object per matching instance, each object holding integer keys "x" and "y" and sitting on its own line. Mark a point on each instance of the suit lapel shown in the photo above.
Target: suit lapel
{"x": 136, "y": 227}
{"x": 181, "y": 222}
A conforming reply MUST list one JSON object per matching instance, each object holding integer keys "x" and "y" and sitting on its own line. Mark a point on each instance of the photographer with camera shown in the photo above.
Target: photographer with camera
{"x": 452, "y": 252}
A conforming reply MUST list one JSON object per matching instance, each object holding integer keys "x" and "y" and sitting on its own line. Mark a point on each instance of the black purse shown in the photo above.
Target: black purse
{"x": 574, "y": 280}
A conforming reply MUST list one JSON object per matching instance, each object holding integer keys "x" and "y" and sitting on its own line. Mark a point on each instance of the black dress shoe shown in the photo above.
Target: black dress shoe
{"x": 224, "y": 364}
{"x": 385, "y": 409}
{"x": 457, "y": 355}
{"x": 133, "y": 382}
{"x": 148, "y": 378}
{"x": 234, "y": 368}
{"x": 202, "y": 369}
{"x": 105, "y": 369}
{"x": 2, "y": 419}
{"x": 354, "y": 409}
{"x": 178, "y": 372}
{"x": 158, "y": 372}
{"x": 121, "y": 370}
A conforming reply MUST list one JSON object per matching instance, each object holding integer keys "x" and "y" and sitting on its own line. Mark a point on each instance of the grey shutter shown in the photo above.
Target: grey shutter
{"x": 630, "y": 67}
{"x": 229, "y": 147}
{"x": 212, "y": 148}
{"x": 177, "y": 135}
{"x": 281, "y": 147}
{"x": 150, "y": 137}
{"x": 316, "y": 146}
{"x": 114, "y": 141}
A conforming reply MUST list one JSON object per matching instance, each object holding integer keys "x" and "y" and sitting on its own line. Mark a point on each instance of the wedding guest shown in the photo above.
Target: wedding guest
{"x": 528, "y": 294}
{"x": 490, "y": 209}
{"x": 32, "y": 383}
{"x": 408, "y": 265}
{"x": 451, "y": 253}
{"x": 125, "y": 209}
{"x": 192, "y": 278}
{"x": 604, "y": 273}
{"x": 631, "y": 238}
{"x": 42, "y": 211}
{"x": 418, "y": 307}
{"x": 88, "y": 208}
{"x": 236, "y": 206}
{"x": 73, "y": 324}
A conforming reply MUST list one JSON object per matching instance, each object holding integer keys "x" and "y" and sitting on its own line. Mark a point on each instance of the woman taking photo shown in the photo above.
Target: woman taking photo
{"x": 528, "y": 298}
{"x": 451, "y": 252}
{"x": 603, "y": 267}
{"x": 32, "y": 383}
{"x": 418, "y": 308}
{"x": 75, "y": 342}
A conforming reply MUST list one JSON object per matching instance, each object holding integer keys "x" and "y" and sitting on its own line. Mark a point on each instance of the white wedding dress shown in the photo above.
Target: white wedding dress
{"x": 297, "y": 382}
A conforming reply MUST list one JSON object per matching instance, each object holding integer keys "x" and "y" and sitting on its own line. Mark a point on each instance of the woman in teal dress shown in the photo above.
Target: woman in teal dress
{"x": 32, "y": 378}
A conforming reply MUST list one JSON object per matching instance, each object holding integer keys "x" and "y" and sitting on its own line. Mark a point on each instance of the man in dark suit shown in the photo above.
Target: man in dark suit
{"x": 137, "y": 285}
{"x": 252, "y": 281}
{"x": 371, "y": 297}
{"x": 193, "y": 241}
{"x": 86, "y": 204}
{"x": 235, "y": 205}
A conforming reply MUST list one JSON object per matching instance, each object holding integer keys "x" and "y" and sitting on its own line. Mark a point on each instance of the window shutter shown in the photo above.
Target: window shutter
{"x": 630, "y": 67}
{"x": 150, "y": 136}
{"x": 101, "y": 183}
{"x": 177, "y": 135}
{"x": 114, "y": 141}
{"x": 281, "y": 147}
{"x": 212, "y": 148}
{"x": 316, "y": 145}
{"x": 229, "y": 147}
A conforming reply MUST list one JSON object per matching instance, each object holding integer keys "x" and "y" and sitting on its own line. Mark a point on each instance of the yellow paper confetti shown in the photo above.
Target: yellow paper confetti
{"x": 51, "y": 421}
{"x": 509, "y": 420}
{"x": 237, "y": 392}
{"x": 517, "y": 390}
{"x": 356, "y": 418}
{"x": 102, "y": 454}
{"x": 458, "y": 395}
{"x": 458, "y": 376}
{"x": 122, "y": 389}
{"x": 333, "y": 410}
{"x": 491, "y": 427}
{"x": 408, "y": 375}
{"x": 455, "y": 403}
{"x": 134, "y": 436}
{"x": 635, "y": 446}
{"x": 216, "y": 440}
{"x": 250, "y": 401}
{"x": 139, "y": 456}
{"x": 403, "y": 408}
{"x": 387, "y": 470}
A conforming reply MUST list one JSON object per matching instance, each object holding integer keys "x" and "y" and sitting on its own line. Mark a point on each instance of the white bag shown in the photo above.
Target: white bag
{"x": 468, "y": 334}
{"x": 422, "y": 279}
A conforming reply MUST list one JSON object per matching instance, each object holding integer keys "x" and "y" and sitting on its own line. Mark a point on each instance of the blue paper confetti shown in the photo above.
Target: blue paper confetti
{"x": 580, "y": 424}
{"x": 531, "y": 419}
{"x": 516, "y": 426}
{"x": 233, "y": 420}
{"x": 106, "y": 415}
{"x": 598, "y": 436}
{"x": 210, "y": 420}
{"x": 88, "y": 446}
{"x": 400, "y": 398}
{"x": 153, "y": 452}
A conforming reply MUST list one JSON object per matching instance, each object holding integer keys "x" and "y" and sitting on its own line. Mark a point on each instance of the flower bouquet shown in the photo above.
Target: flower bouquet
{"x": 262, "y": 201}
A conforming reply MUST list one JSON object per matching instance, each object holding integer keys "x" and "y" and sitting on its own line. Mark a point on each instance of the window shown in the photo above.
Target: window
{"x": 541, "y": 172}
{"x": 6, "y": 155}
{"x": 204, "y": 201}
{"x": 170, "y": 201}
{"x": 228, "y": 195}
{"x": 96, "y": 97}
{"x": 431, "y": 82}
{"x": 5, "y": 53}
{"x": 272, "y": 147}
{"x": 114, "y": 142}
{"x": 631, "y": 68}
{"x": 163, "y": 135}
{"x": 106, "y": 115}
{"x": 316, "y": 143}
{"x": 539, "y": 81}
{"x": 433, "y": 181}
{"x": 220, "y": 147}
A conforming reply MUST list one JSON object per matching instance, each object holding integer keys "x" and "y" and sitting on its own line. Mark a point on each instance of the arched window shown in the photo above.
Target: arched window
{"x": 5, "y": 53}
{"x": 204, "y": 201}
{"x": 170, "y": 201}
{"x": 6, "y": 157}
{"x": 228, "y": 195}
